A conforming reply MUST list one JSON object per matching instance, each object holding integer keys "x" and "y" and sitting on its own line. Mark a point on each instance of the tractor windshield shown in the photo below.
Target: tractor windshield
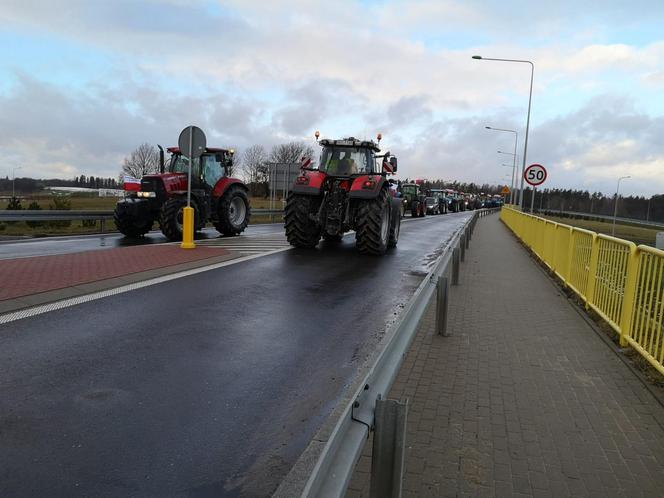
{"x": 180, "y": 164}
{"x": 346, "y": 161}
{"x": 409, "y": 189}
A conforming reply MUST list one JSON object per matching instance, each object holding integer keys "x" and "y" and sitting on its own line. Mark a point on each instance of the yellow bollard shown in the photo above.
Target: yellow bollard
{"x": 188, "y": 228}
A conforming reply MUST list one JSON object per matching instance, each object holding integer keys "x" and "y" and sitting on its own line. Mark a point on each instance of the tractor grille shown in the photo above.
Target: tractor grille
{"x": 152, "y": 185}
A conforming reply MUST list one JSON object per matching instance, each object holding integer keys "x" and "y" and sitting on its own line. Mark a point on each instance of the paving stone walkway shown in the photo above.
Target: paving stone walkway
{"x": 524, "y": 398}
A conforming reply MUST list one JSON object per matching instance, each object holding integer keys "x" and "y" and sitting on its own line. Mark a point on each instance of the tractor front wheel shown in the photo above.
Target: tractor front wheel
{"x": 171, "y": 219}
{"x": 129, "y": 227}
{"x": 234, "y": 212}
{"x": 373, "y": 225}
{"x": 301, "y": 230}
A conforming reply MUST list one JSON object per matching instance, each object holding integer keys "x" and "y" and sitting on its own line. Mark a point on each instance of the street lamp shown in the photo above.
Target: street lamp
{"x": 615, "y": 206}
{"x": 14, "y": 179}
{"x": 516, "y": 139}
{"x": 530, "y": 98}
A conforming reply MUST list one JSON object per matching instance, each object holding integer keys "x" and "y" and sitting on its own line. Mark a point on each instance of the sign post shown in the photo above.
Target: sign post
{"x": 535, "y": 175}
{"x": 192, "y": 140}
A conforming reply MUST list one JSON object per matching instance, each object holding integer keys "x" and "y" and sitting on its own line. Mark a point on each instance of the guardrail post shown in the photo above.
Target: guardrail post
{"x": 469, "y": 236}
{"x": 103, "y": 225}
{"x": 389, "y": 446}
{"x": 442, "y": 288}
{"x": 592, "y": 271}
{"x": 455, "y": 266}
{"x": 629, "y": 296}
{"x": 462, "y": 246}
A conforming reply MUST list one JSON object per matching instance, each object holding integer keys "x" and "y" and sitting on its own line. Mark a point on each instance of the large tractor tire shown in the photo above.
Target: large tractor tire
{"x": 172, "y": 218}
{"x": 129, "y": 227}
{"x": 415, "y": 209}
{"x": 301, "y": 230}
{"x": 373, "y": 225}
{"x": 395, "y": 227}
{"x": 234, "y": 212}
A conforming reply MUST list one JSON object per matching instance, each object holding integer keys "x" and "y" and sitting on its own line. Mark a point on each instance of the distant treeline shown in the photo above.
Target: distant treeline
{"x": 582, "y": 201}
{"x": 31, "y": 185}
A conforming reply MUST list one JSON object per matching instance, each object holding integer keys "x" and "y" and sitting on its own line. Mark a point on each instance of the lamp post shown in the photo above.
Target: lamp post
{"x": 14, "y": 180}
{"x": 648, "y": 211}
{"x": 615, "y": 206}
{"x": 530, "y": 98}
{"x": 516, "y": 139}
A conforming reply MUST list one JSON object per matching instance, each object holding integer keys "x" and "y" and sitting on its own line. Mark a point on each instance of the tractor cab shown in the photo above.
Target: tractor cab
{"x": 207, "y": 170}
{"x": 350, "y": 157}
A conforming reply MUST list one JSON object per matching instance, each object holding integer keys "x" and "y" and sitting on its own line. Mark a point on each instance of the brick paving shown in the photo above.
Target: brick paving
{"x": 27, "y": 276}
{"x": 523, "y": 399}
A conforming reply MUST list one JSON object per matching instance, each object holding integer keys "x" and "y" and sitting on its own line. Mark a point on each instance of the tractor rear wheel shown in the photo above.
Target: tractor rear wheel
{"x": 130, "y": 227}
{"x": 234, "y": 212}
{"x": 171, "y": 219}
{"x": 395, "y": 228}
{"x": 301, "y": 230}
{"x": 373, "y": 225}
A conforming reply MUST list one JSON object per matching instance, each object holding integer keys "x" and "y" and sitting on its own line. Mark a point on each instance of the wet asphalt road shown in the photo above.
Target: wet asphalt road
{"x": 209, "y": 385}
{"x": 50, "y": 246}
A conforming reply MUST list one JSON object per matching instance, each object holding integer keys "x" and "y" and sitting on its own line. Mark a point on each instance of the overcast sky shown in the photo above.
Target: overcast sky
{"x": 84, "y": 82}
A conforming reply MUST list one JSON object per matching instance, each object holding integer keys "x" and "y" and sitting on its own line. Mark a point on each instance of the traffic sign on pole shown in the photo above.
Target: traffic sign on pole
{"x": 192, "y": 142}
{"x": 535, "y": 174}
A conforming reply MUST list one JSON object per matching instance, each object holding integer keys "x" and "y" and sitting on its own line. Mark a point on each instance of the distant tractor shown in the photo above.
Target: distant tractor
{"x": 349, "y": 190}
{"x": 414, "y": 199}
{"x": 441, "y": 199}
{"x": 215, "y": 197}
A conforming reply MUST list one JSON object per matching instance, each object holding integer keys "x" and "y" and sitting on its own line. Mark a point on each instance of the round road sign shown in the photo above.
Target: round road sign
{"x": 192, "y": 140}
{"x": 535, "y": 174}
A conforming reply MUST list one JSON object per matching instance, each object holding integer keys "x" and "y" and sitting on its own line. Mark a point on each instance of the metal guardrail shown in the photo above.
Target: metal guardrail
{"x": 336, "y": 462}
{"x": 48, "y": 215}
{"x": 623, "y": 283}
{"x": 601, "y": 217}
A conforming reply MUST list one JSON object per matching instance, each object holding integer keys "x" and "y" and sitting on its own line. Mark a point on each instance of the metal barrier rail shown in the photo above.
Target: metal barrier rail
{"x": 46, "y": 215}
{"x": 336, "y": 462}
{"x": 623, "y": 283}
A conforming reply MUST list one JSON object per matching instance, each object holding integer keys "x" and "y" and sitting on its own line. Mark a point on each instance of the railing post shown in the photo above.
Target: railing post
{"x": 629, "y": 296}
{"x": 389, "y": 444}
{"x": 442, "y": 288}
{"x": 103, "y": 225}
{"x": 592, "y": 271}
{"x": 468, "y": 237}
{"x": 462, "y": 246}
{"x": 455, "y": 266}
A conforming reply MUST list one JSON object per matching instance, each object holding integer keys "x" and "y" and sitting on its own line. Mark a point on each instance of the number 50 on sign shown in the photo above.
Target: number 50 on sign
{"x": 535, "y": 174}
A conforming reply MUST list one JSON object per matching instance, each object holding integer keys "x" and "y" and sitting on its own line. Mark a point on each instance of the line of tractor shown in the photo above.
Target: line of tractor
{"x": 348, "y": 190}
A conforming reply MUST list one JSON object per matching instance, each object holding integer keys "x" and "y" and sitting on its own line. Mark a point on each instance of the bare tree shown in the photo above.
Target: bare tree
{"x": 292, "y": 152}
{"x": 253, "y": 164}
{"x": 142, "y": 161}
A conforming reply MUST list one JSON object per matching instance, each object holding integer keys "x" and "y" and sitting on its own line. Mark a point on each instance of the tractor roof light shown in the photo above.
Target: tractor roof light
{"x": 317, "y": 135}
{"x": 232, "y": 151}
{"x": 379, "y": 137}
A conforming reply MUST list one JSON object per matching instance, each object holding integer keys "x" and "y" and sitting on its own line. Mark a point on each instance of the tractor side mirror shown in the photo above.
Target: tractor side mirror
{"x": 393, "y": 162}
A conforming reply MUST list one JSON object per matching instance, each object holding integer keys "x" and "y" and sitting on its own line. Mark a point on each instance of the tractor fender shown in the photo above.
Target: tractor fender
{"x": 222, "y": 186}
{"x": 309, "y": 183}
{"x": 367, "y": 186}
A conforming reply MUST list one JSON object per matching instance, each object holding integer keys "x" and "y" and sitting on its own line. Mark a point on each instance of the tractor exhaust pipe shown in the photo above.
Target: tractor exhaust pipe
{"x": 161, "y": 159}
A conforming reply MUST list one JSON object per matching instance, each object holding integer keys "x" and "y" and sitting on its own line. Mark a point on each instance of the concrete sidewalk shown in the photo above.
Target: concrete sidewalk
{"x": 524, "y": 398}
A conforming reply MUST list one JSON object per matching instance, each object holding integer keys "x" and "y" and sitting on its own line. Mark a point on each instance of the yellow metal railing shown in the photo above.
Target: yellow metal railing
{"x": 622, "y": 283}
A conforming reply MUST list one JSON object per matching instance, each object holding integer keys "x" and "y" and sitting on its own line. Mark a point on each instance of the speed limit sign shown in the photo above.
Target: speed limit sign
{"x": 535, "y": 174}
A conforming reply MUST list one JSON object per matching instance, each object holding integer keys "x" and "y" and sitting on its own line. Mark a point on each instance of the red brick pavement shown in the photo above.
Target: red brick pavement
{"x": 26, "y": 276}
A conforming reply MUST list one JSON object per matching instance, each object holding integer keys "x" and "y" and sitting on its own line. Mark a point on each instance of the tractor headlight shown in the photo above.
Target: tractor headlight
{"x": 405, "y": 201}
{"x": 146, "y": 195}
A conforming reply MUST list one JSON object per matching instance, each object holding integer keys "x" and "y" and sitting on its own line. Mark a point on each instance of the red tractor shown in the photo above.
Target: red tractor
{"x": 215, "y": 197}
{"x": 348, "y": 191}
